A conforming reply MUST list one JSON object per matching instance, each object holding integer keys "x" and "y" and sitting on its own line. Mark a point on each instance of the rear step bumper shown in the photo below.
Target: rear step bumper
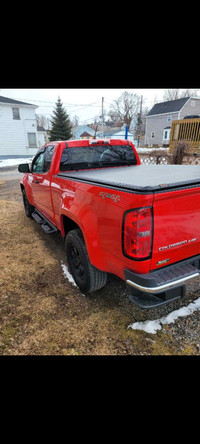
{"x": 161, "y": 286}
{"x": 46, "y": 225}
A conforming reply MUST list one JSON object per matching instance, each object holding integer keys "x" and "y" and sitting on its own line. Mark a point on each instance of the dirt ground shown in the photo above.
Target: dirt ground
{"x": 42, "y": 313}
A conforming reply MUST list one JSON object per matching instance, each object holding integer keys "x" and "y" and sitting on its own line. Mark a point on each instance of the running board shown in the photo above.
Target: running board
{"x": 46, "y": 225}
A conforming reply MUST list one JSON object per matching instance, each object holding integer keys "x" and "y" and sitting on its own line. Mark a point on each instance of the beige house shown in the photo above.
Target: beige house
{"x": 160, "y": 117}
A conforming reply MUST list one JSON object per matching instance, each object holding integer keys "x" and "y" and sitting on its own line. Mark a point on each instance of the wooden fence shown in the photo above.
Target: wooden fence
{"x": 185, "y": 130}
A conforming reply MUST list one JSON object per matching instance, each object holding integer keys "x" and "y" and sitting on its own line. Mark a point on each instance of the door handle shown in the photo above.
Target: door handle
{"x": 36, "y": 181}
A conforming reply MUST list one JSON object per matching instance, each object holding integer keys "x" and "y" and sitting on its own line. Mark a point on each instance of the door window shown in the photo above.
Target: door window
{"x": 48, "y": 157}
{"x": 37, "y": 166}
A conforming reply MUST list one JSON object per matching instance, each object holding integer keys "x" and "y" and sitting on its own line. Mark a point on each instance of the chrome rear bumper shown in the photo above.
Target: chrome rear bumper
{"x": 163, "y": 285}
{"x": 161, "y": 288}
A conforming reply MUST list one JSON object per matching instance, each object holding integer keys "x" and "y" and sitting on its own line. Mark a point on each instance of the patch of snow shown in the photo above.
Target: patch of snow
{"x": 67, "y": 274}
{"x": 149, "y": 150}
{"x": 153, "y": 326}
{"x": 13, "y": 162}
{"x": 147, "y": 326}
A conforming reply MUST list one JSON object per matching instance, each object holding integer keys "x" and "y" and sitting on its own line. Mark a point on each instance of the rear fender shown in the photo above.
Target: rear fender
{"x": 80, "y": 213}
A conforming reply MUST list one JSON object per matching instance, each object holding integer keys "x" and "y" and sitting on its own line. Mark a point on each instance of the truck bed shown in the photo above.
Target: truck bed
{"x": 143, "y": 178}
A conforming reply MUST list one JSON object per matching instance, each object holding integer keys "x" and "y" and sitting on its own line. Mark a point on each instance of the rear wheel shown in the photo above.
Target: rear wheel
{"x": 28, "y": 208}
{"x": 87, "y": 277}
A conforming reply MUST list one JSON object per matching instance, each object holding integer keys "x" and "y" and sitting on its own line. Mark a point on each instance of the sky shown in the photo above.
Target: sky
{"x": 84, "y": 103}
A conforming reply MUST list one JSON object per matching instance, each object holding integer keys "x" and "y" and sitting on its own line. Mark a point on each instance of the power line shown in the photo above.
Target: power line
{"x": 54, "y": 103}
{"x": 49, "y": 104}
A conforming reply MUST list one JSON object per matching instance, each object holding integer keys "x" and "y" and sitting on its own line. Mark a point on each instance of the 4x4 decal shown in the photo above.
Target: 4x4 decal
{"x": 114, "y": 197}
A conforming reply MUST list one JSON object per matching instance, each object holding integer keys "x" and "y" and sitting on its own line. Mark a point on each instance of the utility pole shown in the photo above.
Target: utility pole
{"x": 102, "y": 117}
{"x": 95, "y": 131}
{"x": 140, "y": 121}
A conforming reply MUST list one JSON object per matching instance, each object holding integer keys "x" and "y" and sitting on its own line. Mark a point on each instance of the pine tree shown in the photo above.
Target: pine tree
{"x": 61, "y": 126}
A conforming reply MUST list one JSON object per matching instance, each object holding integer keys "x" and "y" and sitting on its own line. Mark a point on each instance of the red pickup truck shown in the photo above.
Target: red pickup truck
{"x": 139, "y": 222}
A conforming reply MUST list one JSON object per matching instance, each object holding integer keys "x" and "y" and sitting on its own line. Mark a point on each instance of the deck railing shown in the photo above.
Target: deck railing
{"x": 185, "y": 130}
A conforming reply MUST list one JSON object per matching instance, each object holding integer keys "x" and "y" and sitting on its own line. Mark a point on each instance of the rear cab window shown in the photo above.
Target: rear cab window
{"x": 99, "y": 156}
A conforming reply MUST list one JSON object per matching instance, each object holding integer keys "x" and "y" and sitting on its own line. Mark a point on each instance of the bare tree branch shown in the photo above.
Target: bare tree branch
{"x": 174, "y": 94}
{"x": 125, "y": 108}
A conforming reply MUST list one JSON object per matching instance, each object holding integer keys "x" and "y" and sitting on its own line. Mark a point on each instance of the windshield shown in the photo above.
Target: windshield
{"x": 84, "y": 157}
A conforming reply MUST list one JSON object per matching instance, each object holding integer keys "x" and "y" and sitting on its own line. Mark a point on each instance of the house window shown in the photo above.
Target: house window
{"x": 152, "y": 134}
{"x": 32, "y": 140}
{"x": 16, "y": 113}
{"x": 166, "y": 134}
{"x": 169, "y": 118}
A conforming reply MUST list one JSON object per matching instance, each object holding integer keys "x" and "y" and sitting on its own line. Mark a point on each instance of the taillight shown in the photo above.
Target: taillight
{"x": 137, "y": 233}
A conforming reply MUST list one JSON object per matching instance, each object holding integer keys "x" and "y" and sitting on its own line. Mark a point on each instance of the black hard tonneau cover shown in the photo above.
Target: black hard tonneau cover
{"x": 140, "y": 178}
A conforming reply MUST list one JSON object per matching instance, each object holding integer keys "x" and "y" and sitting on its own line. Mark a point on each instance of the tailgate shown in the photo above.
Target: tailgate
{"x": 176, "y": 232}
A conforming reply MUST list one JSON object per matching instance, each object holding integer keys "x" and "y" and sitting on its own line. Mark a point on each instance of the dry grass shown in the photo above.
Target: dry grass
{"x": 41, "y": 313}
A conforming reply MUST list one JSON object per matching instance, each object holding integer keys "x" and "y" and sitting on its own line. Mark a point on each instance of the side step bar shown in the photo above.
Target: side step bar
{"x": 46, "y": 225}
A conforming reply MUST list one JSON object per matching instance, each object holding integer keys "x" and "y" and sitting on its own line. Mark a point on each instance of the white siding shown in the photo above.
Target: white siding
{"x": 14, "y": 133}
{"x": 41, "y": 138}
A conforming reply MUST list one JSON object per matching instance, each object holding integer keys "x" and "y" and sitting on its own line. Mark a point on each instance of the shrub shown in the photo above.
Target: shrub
{"x": 180, "y": 150}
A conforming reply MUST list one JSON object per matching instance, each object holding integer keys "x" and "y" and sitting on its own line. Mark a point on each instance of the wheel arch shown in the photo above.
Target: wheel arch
{"x": 68, "y": 224}
{"x": 95, "y": 253}
{"x": 87, "y": 277}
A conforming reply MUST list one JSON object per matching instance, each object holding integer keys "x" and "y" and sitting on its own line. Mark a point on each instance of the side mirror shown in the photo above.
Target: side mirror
{"x": 23, "y": 168}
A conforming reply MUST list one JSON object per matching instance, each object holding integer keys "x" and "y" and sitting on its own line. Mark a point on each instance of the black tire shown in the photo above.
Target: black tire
{"x": 87, "y": 277}
{"x": 28, "y": 208}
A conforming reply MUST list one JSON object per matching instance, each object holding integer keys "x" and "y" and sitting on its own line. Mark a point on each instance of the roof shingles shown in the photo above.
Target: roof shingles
{"x": 168, "y": 107}
{"x": 14, "y": 102}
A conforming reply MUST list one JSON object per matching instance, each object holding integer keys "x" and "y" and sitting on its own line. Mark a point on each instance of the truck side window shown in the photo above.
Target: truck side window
{"x": 48, "y": 157}
{"x": 37, "y": 166}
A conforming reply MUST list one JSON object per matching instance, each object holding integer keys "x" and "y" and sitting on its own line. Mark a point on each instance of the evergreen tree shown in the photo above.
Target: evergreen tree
{"x": 61, "y": 126}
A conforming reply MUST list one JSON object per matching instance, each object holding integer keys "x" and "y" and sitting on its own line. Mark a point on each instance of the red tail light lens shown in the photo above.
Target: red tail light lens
{"x": 137, "y": 233}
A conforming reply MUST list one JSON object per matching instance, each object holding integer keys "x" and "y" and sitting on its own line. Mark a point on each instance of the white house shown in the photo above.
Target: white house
{"x": 41, "y": 135}
{"x": 18, "y": 128}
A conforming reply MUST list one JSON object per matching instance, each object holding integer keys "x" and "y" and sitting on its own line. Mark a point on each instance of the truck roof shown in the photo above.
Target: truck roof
{"x": 93, "y": 142}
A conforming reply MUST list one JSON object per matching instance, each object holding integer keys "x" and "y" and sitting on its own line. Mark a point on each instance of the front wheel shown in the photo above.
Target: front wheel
{"x": 87, "y": 277}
